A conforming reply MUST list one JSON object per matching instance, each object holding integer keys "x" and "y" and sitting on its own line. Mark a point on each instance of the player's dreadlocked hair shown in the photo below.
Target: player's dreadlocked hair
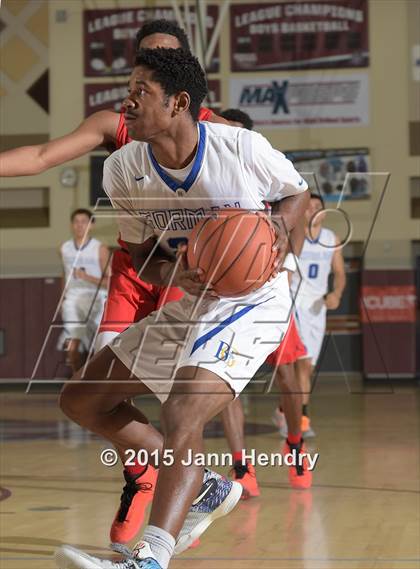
{"x": 176, "y": 71}
{"x": 163, "y": 27}
{"x": 237, "y": 115}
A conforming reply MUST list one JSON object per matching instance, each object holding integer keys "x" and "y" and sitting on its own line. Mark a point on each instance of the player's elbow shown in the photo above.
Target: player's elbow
{"x": 41, "y": 161}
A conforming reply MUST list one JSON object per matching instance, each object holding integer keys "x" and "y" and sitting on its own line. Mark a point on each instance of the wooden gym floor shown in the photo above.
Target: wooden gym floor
{"x": 362, "y": 512}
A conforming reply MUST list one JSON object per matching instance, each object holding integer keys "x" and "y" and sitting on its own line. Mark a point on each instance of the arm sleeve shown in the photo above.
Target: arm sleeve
{"x": 274, "y": 176}
{"x": 133, "y": 227}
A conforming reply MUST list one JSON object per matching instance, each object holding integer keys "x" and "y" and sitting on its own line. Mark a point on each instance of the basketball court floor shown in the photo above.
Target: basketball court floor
{"x": 361, "y": 513}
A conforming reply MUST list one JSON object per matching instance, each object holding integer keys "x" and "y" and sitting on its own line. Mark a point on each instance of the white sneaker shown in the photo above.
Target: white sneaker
{"x": 67, "y": 557}
{"x": 217, "y": 498}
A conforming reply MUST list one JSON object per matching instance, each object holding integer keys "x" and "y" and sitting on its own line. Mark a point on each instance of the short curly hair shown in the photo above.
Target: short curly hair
{"x": 237, "y": 115}
{"x": 176, "y": 70}
{"x": 163, "y": 27}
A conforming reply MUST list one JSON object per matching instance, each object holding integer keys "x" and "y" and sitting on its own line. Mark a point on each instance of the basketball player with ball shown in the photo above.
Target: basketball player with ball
{"x": 129, "y": 298}
{"x": 176, "y": 172}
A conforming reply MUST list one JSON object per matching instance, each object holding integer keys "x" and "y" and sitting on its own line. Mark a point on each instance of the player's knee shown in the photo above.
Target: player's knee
{"x": 180, "y": 417}
{"x": 286, "y": 379}
{"x": 71, "y": 402}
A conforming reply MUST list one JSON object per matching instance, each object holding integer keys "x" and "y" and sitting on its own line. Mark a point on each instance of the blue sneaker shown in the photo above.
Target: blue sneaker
{"x": 67, "y": 557}
{"x": 217, "y": 498}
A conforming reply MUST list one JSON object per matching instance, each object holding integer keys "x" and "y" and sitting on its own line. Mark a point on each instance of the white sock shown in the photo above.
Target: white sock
{"x": 161, "y": 543}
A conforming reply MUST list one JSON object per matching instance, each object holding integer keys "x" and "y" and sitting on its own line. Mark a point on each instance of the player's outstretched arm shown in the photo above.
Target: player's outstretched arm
{"x": 332, "y": 300}
{"x": 98, "y": 129}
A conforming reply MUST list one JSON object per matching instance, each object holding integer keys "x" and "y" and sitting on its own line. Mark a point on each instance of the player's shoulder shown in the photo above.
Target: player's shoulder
{"x": 125, "y": 157}
{"x": 67, "y": 244}
{"x": 245, "y": 142}
{"x": 222, "y": 131}
{"x": 130, "y": 149}
{"x": 229, "y": 132}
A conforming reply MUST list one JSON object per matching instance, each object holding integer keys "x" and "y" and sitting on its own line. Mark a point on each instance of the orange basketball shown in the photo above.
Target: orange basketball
{"x": 233, "y": 247}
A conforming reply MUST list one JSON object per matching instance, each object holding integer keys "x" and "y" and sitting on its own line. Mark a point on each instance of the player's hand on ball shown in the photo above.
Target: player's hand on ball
{"x": 189, "y": 279}
{"x": 332, "y": 301}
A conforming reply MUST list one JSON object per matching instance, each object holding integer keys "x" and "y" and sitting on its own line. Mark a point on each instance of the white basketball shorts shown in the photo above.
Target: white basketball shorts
{"x": 81, "y": 313}
{"x": 311, "y": 319}
{"x": 229, "y": 336}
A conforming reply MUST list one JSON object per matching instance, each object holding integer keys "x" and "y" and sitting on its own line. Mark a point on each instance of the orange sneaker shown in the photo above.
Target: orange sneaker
{"x": 247, "y": 478}
{"x": 299, "y": 476}
{"x": 136, "y": 496}
{"x": 305, "y": 427}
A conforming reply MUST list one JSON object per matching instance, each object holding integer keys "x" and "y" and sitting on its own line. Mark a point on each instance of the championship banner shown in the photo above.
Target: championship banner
{"x": 104, "y": 96}
{"x": 314, "y": 100}
{"x": 299, "y": 35}
{"x": 331, "y": 170}
{"x": 109, "y": 37}
{"x": 388, "y": 303}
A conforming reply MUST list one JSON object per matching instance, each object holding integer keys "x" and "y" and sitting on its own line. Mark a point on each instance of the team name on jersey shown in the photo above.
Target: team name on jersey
{"x": 181, "y": 219}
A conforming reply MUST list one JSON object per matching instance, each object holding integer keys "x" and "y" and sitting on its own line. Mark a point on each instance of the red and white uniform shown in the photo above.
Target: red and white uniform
{"x": 130, "y": 299}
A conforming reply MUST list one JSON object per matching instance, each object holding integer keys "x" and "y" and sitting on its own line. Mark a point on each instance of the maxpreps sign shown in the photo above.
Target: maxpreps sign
{"x": 314, "y": 100}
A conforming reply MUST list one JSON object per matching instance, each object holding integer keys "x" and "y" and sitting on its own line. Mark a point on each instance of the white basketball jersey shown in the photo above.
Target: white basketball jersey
{"x": 314, "y": 266}
{"x": 233, "y": 167}
{"x": 87, "y": 257}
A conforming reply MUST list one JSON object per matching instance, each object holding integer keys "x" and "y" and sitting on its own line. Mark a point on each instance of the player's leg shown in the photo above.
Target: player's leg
{"x": 304, "y": 369}
{"x": 72, "y": 348}
{"x": 280, "y": 360}
{"x": 233, "y": 420}
{"x": 100, "y": 406}
{"x": 308, "y": 325}
{"x": 73, "y": 313}
{"x": 288, "y": 415}
{"x": 177, "y": 509}
{"x": 291, "y": 400}
{"x": 197, "y": 396}
{"x": 306, "y": 366}
{"x": 96, "y": 397}
{"x": 129, "y": 300}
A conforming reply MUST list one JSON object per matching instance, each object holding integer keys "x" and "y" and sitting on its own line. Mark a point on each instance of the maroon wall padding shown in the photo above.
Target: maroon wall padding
{"x": 27, "y": 307}
{"x": 41, "y": 297}
{"x": 12, "y": 322}
{"x": 388, "y": 315}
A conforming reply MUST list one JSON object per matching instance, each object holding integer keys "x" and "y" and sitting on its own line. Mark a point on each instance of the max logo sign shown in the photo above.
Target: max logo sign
{"x": 262, "y": 95}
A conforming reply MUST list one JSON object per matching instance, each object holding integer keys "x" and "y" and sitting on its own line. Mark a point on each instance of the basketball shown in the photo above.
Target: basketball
{"x": 233, "y": 247}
